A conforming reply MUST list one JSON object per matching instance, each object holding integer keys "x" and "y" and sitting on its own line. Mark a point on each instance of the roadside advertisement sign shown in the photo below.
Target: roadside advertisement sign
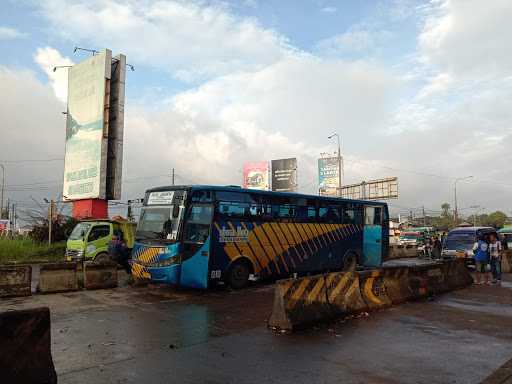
{"x": 256, "y": 175}
{"x": 372, "y": 190}
{"x": 85, "y": 163}
{"x": 4, "y": 225}
{"x": 284, "y": 175}
{"x": 328, "y": 176}
{"x": 116, "y": 128}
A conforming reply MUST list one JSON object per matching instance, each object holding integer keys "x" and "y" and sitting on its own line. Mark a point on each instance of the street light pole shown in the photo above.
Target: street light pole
{"x": 455, "y": 211}
{"x": 340, "y": 162}
{"x": 2, "y": 195}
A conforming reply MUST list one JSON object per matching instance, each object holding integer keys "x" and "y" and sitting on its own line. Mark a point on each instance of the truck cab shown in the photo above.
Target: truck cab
{"x": 90, "y": 238}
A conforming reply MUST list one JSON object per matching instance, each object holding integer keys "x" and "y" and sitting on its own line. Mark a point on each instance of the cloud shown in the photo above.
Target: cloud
{"x": 329, "y": 9}
{"x": 357, "y": 40}
{"x": 255, "y": 98}
{"x": 260, "y": 115}
{"x": 48, "y": 58}
{"x": 32, "y": 128}
{"x": 187, "y": 39}
{"x": 7, "y": 33}
{"x": 468, "y": 37}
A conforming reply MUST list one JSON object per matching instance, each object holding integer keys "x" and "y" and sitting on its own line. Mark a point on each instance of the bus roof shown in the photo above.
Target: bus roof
{"x": 232, "y": 188}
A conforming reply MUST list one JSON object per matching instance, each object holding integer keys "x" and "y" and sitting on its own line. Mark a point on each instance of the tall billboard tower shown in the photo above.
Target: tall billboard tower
{"x": 94, "y": 134}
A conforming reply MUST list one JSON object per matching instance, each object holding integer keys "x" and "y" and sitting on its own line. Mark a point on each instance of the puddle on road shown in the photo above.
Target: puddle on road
{"x": 478, "y": 306}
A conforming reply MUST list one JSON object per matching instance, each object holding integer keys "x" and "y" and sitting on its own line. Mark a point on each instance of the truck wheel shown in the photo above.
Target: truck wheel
{"x": 102, "y": 258}
{"x": 238, "y": 275}
{"x": 349, "y": 262}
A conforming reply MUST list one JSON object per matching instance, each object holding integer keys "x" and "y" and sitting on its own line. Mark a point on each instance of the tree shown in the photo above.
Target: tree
{"x": 496, "y": 219}
{"x": 445, "y": 210}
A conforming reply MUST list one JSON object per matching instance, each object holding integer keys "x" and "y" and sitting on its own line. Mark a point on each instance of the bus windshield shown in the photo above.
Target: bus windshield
{"x": 157, "y": 223}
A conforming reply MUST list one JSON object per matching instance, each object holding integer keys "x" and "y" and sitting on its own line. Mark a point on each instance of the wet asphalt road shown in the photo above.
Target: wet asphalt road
{"x": 160, "y": 335}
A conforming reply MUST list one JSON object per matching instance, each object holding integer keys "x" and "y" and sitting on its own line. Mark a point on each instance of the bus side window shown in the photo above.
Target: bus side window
{"x": 378, "y": 216}
{"x": 202, "y": 196}
{"x": 373, "y": 216}
{"x": 353, "y": 214}
{"x": 305, "y": 212}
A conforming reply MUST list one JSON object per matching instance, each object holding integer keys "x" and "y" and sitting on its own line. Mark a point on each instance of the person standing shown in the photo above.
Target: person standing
{"x": 481, "y": 250}
{"x": 118, "y": 251}
{"x": 436, "y": 248}
{"x": 495, "y": 251}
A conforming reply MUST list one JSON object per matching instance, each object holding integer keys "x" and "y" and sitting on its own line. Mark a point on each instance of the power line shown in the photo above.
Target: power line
{"x": 30, "y": 161}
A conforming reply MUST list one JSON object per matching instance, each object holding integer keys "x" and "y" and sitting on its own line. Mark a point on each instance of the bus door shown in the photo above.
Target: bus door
{"x": 372, "y": 236}
{"x": 196, "y": 246}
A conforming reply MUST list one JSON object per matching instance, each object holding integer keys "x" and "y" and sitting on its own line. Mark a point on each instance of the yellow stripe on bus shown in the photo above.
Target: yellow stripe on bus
{"x": 267, "y": 246}
{"x": 275, "y": 242}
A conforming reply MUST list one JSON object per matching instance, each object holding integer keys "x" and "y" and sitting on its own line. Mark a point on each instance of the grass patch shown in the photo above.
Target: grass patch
{"x": 26, "y": 250}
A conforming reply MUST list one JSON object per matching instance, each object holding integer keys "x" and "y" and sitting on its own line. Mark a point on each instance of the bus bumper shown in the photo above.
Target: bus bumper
{"x": 168, "y": 275}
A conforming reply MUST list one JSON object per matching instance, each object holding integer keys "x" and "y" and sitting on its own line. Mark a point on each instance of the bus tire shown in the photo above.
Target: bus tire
{"x": 102, "y": 258}
{"x": 238, "y": 275}
{"x": 349, "y": 262}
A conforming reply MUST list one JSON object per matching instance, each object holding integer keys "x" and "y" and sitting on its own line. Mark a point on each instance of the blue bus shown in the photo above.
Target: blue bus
{"x": 197, "y": 236}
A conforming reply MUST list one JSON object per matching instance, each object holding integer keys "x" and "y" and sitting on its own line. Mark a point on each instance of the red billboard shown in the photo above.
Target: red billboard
{"x": 256, "y": 175}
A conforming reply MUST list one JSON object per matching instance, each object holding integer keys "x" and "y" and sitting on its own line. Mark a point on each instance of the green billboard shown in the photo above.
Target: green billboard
{"x": 86, "y": 131}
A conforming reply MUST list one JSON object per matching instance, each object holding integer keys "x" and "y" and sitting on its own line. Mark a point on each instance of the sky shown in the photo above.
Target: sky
{"x": 420, "y": 90}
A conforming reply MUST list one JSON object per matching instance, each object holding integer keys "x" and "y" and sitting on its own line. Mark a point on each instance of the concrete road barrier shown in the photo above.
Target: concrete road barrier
{"x": 506, "y": 261}
{"x": 100, "y": 275}
{"x": 503, "y": 375}
{"x": 25, "y": 352}
{"x": 399, "y": 285}
{"x": 344, "y": 293}
{"x": 15, "y": 280}
{"x": 58, "y": 277}
{"x": 301, "y": 302}
{"x": 399, "y": 251}
{"x": 373, "y": 289}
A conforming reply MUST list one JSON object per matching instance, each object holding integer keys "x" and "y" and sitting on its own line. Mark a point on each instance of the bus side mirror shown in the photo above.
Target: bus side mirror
{"x": 175, "y": 211}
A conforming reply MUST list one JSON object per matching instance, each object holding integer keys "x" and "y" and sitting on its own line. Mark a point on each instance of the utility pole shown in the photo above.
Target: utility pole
{"x": 50, "y": 219}
{"x": 424, "y": 217}
{"x": 172, "y": 176}
{"x": 2, "y": 195}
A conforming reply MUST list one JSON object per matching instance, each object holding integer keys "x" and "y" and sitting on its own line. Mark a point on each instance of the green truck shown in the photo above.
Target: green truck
{"x": 89, "y": 239}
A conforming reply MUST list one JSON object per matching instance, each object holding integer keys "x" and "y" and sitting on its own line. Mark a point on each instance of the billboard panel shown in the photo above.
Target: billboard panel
{"x": 116, "y": 128}
{"x": 372, "y": 190}
{"x": 328, "y": 179}
{"x": 85, "y": 163}
{"x": 256, "y": 175}
{"x": 284, "y": 175}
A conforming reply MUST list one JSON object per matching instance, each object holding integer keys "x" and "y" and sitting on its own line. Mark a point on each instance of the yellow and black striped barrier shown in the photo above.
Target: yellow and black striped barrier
{"x": 308, "y": 300}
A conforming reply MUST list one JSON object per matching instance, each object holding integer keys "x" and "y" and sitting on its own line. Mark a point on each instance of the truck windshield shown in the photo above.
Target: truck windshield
{"x": 157, "y": 223}
{"x": 79, "y": 231}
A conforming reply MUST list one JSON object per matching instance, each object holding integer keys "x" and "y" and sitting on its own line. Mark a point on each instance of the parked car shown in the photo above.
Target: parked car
{"x": 459, "y": 242}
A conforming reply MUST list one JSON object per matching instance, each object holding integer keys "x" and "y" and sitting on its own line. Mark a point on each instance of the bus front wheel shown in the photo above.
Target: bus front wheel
{"x": 238, "y": 276}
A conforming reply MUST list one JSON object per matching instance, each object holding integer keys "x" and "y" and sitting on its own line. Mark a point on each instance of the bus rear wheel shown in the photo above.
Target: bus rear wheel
{"x": 238, "y": 276}
{"x": 349, "y": 263}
